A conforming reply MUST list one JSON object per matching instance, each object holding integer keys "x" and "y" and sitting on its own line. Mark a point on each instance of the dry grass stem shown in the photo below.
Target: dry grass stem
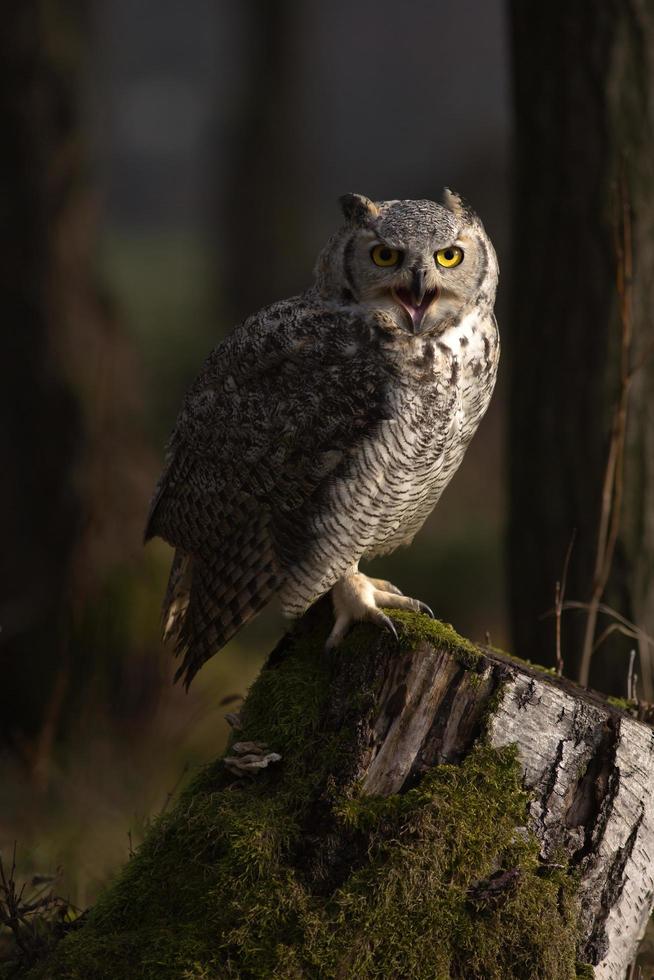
{"x": 31, "y": 919}
{"x": 613, "y": 485}
{"x": 606, "y": 610}
{"x": 632, "y": 678}
{"x": 559, "y": 595}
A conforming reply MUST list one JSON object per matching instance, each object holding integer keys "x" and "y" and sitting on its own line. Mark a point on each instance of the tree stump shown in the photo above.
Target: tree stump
{"x": 440, "y": 810}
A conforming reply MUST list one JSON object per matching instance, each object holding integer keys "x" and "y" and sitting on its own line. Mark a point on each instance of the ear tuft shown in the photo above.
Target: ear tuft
{"x": 358, "y": 210}
{"x": 456, "y": 204}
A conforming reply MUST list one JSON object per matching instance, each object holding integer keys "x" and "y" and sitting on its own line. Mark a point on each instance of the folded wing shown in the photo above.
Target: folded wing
{"x": 269, "y": 424}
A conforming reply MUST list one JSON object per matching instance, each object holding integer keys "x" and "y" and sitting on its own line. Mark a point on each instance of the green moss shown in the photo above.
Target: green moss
{"x": 415, "y": 629}
{"x": 294, "y": 875}
{"x": 629, "y": 706}
{"x": 520, "y": 661}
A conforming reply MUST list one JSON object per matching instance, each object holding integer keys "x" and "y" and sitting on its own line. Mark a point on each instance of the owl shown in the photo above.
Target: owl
{"x": 324, "y": 429}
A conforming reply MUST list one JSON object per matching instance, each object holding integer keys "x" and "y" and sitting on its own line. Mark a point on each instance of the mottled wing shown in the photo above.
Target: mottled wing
{"x": 274, "y": 415}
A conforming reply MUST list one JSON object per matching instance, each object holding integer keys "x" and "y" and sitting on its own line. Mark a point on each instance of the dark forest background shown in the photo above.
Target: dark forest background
{"x": 168, "y": 169}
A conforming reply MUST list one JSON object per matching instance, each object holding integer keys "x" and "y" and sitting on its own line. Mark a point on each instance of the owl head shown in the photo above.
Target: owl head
{"x": 422, "y": 265}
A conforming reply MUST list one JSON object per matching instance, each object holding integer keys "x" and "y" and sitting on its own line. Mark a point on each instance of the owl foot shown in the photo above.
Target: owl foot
{"x": 357, "y": 598}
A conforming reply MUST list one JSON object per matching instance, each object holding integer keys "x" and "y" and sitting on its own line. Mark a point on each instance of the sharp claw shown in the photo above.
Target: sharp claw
{"x": 424, "y": 608}
{"x": 389, "y": 625}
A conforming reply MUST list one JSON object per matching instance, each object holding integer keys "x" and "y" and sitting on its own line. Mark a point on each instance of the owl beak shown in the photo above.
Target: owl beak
{"x": 415, "y": 301}
{"x": 418, "y": 286}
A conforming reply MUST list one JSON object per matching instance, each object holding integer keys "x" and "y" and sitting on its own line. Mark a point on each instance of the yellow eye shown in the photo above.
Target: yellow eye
{"x": 385, "y": 257}
{"x": 449, "y": 257}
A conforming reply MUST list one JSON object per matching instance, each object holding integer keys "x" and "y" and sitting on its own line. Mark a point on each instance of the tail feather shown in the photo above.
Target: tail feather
{"x": 200, "y": 646}
{"x": 209, "y": 598}
{"x": 176, "y": 599}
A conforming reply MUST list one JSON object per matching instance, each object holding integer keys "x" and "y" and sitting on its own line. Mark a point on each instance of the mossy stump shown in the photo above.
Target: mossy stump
{"x": 440, "y": 811}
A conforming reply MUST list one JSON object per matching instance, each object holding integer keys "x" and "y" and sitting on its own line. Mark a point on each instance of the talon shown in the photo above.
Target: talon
{"x": 357, "y": 598}
{"x": 389, "y": 625}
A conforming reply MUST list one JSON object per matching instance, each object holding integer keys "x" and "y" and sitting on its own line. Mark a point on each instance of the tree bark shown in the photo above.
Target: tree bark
{"x": 362, "y": 853}
{"x": 583, "y": 82}
{"x": 262, "y": 226}
{"x": 76, "y": 474}
{"x": 40, "y": 419}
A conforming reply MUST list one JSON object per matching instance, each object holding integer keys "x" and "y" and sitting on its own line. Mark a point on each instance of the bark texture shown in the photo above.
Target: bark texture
{"x": 395, "y": 836}
{"x": 76, "y": 472}
{"x": 584, "y": 84}
{"x": 40, "y": 418}
{"x": 261, "y": 214}
{"x": 590, "y": 772}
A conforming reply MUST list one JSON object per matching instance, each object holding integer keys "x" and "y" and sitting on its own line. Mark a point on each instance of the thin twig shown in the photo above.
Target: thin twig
{"x": 559, "y": 595}
{"x": 33, "y": 920}
{"x": 608, "y": 611}
{"x": 631, "y": 693}
{"x": 613, "y": 486}
{"x": 614, "y": 628}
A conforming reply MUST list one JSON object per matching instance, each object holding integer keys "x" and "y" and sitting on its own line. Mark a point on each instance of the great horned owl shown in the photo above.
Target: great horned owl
{"x": 325, "y": 428}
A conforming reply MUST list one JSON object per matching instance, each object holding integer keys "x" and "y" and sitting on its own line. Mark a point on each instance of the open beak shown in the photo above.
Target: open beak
{"x": 416, "y": 300}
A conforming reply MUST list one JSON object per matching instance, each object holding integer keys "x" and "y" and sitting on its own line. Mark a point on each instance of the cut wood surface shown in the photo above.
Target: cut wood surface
{"x": 349, "y": 856}
{"x": 588, "y": 766}
{"x": 591, "y": 772}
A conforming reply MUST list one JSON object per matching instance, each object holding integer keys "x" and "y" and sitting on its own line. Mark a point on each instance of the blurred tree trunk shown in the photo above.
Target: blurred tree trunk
{"x": 73, "y": 490}
{"x": 263, "y": 227}
{"x": 584, "y": 102}
{"x": 40, "y": 418}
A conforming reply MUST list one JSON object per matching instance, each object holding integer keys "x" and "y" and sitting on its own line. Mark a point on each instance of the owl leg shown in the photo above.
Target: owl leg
{"x": 383, "y": 586}
{"x": 357, "y": 598}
